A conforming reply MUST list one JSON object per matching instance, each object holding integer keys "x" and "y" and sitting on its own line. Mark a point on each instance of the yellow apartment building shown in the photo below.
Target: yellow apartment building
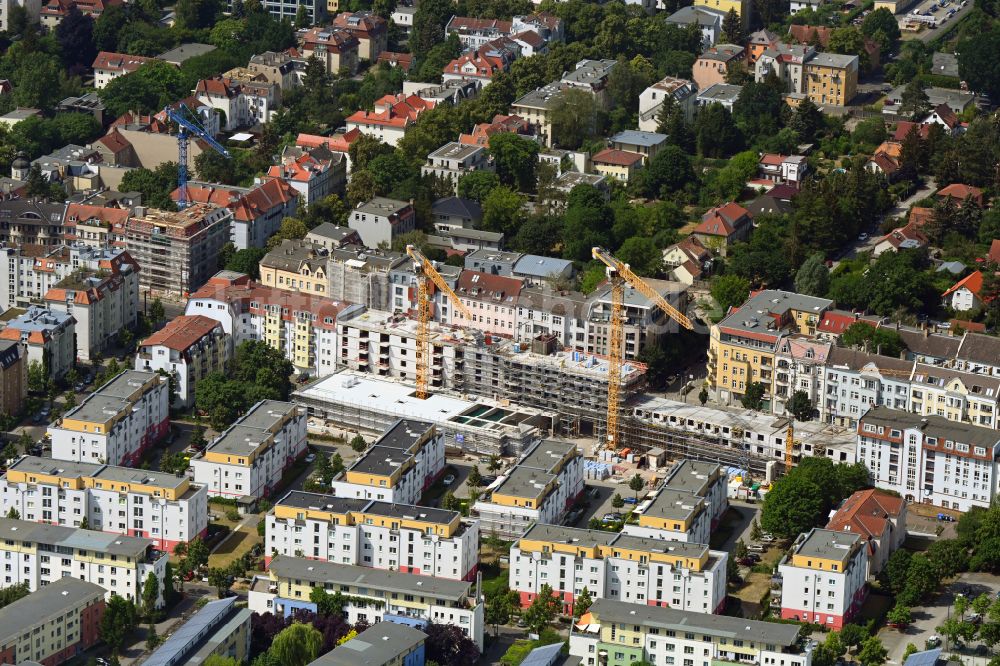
{"x": 831, "y": 79}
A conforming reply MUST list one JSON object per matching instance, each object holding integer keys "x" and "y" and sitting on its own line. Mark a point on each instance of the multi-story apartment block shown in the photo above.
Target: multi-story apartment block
{"x": 453, "y": 160}
{"x": 109, "y": 66}
{"x": 536, "y": 106}
{"x": 92, "y": 225}
{"x": 930, "y": 459}
{"x": 188, "y": 347}
{"x": 388, "y": 644}
{"x": 961, "y": 397}
{"x": 315, "y": 173}
{"x": 390, "y": 117}
{"x": 491, "y": 300}
{"x": 241, "y": 103}
{"x": 275, "y": 67}
{"x": 785, "y": 61}
{"x": 798, "y": 365}
{"x": 98, "y": 286}
{"x": 364, "y": 275}
{"x": 397, "y": 467}
{"x": 257, "y": 211}
{"x": 166, "y": 508}
{"x": 370, "y": 29}
{"x": 371, "y": 595}
{"x": 673, "y": 515}
{"x": 380, "y": 220}
{"x": 702, "y": 479}
{"x": 474, "y": 32}
{"x": 336, "y": 48}
{"x": 483, "y": 63}
{"x": 824, "y": 579}
{"x": 370, "y": 533}
{"x": 743, "y": 345}
{"x": 39, "y": 555}
{"x": 223, "y": 629}
{"x": 715, "y": 63}
{"x": 831, "y": 79}
{"x": 879, "y": 518}
{"x": 31, "y": 221}
{"x": 48, "y": 337}
{"x": 617, "y": 633}
{"x": 13, "y": 376}
{"x": 298, "y": 266}
{"x": 645, "y": 323}
{"x": 854, "y": 381}
{"x": 302, "y": 326}
{"x": 248, "y": 459}
{"x": 540, "y": 488}
{"x": 178, "y": 251}
{"x": 53, "y": 625}
{"x": 617, "y": 566}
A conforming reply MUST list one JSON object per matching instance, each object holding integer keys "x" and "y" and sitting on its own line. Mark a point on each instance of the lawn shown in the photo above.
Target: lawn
{"x": 238, "y": 544}
{"x": 516, "y": 653}
{"x": 495, "y": 579}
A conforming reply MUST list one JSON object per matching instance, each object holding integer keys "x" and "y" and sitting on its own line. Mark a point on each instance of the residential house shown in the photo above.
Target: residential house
{"x": 966, "y": 294}
{"x": 490, "y": 299}
{"x": 475, "y": 32}
{"x": 370, "y": 29}
{"x": 945, "y": 64}
{"x": 619, "y": 165}
{"x": 946, "y": 118}
{"x": 179, "y": 55}
{"x": 315, "y": 173}
{"x": 482, "y": 132}
{"x": 879, "y": 518}
{"x": 722, "y": 226}
{"x": 54, "y": 11}
{"x": 959, "y": 193}
{"x": 790, "y": 169}
{"x": 114, "y": 149}
{"x": 278, "y": 68}
{"x": 687, "y": 261}
{"x": 647, "y": 144}
{"x": 787, "y": 62}
{"x": 395, "y": 59}
{"x": 957, "y": 100}
{"x": 482, "y": 64}
{"x": 709, "y": 22}
{"x": 223, "y": 630}
{"x": 758, "y": 42}
{"x": 820, "y": 35}
{"x": 832, "y": 79}
{"x": 453, "y": 160}
{"x": 330, "y": 237}
{"x": 47, "y": 337}
{"x": 31, "y": 222}
{"x": 714, "y": 63}
{"x": 536, "y": 106}
{"x": 776, "y": 201}
{"x": 109, "y": 66}
{"x": 909, "y": 236}
{"x": 391, "y": 117}
{"x": 242, "y": 103}
{"x": 388, "y": 644}
{"x": 339, "y": 142}
{"x": 824, "y": 579}
{"x": 380, "y": 220}
{"x": 719, "y": 93}
{"x": 741, "y": 7}
{"x": 296, "y": 265}
{"x": 799, "y": 364}
{"x": 336, "y": 48}
{"x": 188, "y": 348}
{"x": 651, "y": 100}
{"x": 92, "y": 225}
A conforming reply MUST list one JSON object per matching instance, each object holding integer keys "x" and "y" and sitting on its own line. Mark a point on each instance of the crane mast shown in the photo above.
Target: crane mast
{"x": 427, "y": 278}
{"x": 186, "y": 128}
{"x": 619, "y": 274}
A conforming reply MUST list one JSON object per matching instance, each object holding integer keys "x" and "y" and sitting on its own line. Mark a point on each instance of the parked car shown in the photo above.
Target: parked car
{"x": 756, "y": 548}
{"x": 448, "y": 480}
{"x": 631, "y": 500}
{"x": 945, "y": 518}
{"x": 311, "y": 458}
{"x": 933, "y": 642}
{"x": 611, "y": 518}
{"x": 746, "y": 561}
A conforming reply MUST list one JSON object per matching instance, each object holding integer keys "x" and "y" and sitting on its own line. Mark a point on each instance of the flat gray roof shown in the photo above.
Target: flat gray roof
{"x": 693, "y": 476}
{"x": 303, "y": 500}
{"x": 546, "y": 455}
{"x": 53, "y": 599}
{"x": 315, "y": 571}
{"x": 524, "y": 482}
{"x": 755, "y": 314}
{"x": 934, "y": 426}
{"x": 70, "y": 537}
{"x": 674, "y": 505}
{"x": 826, "y": 59}
{"x": 381, "y": 206}
{"x": 381, "y": 460}
{"x": 266, "y": 413}
{"x": 679, "y": 548}
{"x": 185, "y": 52}
{"x": 404, "y": 434}
{"x": 573, "y": 535}
{"x": 375, "y": 646}
{"x": 141, "y": 476}
{"x": 454, "y": 150}
{"x": 720, "y": 92}
{"x": 827, "y": 544}
{"x": 53, "y": 467}
{"x": 639, "y": 138}
{"x": 202, "y": 626}
{"x": 411, "y": 512}
{"x": 609, "y": 610}
{"x": 542, "y": 267}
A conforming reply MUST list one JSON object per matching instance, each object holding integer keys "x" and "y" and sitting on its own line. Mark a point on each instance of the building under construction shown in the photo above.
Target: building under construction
{"x": 178, "y": 251}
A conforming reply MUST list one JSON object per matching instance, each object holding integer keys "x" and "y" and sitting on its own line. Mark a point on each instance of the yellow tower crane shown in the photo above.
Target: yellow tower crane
{"x": 618, "y": 274}
{"x": 427, "y": 278}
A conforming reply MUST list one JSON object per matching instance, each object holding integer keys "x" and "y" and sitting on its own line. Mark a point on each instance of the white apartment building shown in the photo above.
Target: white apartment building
{"x": 116, "y": 423}
{"x": 188, "y": 347}
{"x": 38, "y": 554}
{"x": 824, "y": 580}
{"x": 47, "y": 336}
{"x": 370, "y": 533}
{"x": 616, "y": 633}
{"x": 165, "y": 508}
{"x": 930, "y": 459}
{"x": 248, "y": 459}
{"x": 538, "y": 489}
{"x": 371, "y": 595}
{"x": 380, "y": 220}
{"x": 854, "y": 381}
{"x": 453, "y": 160}
{"x": 798, "y": 367}
{"x": 672, "y": 515}
{"x": 962, "y": 397}
{"x": 617, "y": 566}
{"x": 397, "y": 467}
{"x": 683, "y": 91}
{"x": 702, "y": 479}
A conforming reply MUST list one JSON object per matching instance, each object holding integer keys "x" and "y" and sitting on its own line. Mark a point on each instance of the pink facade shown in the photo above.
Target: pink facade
{"x": 821, "y": 618}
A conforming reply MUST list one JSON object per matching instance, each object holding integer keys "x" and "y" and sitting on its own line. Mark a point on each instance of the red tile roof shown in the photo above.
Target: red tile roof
{"x": 119, "y": 62}
{"x": 973, "y": 282}
{"x": 261, "y": 199}
{"x": 182, "y": 332}
{"x": 217, "y": 87}
{"x": 77, "y": 212}
{"x": 392, "y": 110}
{"x": 488, "y": 287}
{"x": 338, "y": 143}
{"x": 364, "y": 24}
{"x": 723, "y": 220}
{"x": 403, "y": 60}
{"x": 482, "y": 132}
{"x": 836, "y": 322}
{"x": 867, "y": 513}
{"x": 616, "y": 157}
{"x": 962, "y": 192}
{"x": 114, "y": 142}
{"x": 903, "y": 128}
{"x": 946, "y": 115}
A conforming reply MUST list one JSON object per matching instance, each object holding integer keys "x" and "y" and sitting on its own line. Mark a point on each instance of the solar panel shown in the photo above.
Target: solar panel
{"x": 925, "y": 658}
{"x": 547, "y": 654}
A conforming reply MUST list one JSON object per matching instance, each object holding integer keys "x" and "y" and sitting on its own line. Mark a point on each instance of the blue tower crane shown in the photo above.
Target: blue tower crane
{"x": 188, "y": 126}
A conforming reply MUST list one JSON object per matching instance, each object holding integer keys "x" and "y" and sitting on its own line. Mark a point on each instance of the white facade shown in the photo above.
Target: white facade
{"x": 249, "y": 458}
{"x": 411, "y": 539}
{"x": 930, "y": 459}
{"x": 187, "y": 348}
{"x": 825, "y": 578}
{"x": 672, "y": 515}
{"x": 162, "y": 507}
{"x": 38, "y": 554}
{"x": 453, "y": 160}
{"x": 116, "y": 423}
{"x": 651, "y": 99}
{"x": 617, "y": 566}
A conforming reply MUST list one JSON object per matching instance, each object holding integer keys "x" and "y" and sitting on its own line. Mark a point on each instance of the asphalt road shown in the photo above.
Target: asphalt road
{"x": 930, "y": 35}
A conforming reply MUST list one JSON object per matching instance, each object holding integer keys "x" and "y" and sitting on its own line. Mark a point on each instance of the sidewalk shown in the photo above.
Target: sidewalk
{"x": 135, "y": 647}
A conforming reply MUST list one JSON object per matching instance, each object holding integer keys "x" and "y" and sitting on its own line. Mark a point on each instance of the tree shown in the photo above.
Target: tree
{"x": 806, "y": 121}
{"x": 884, "y": 341}
{"x": 292, "y": 228}
{"x": 793, "y": 505}
{"x": 800, "y": 406}
{"x": 899, "y": 615}
{"x": 703, "y": 395}
{"x": 197, "y": 553}
{"x": 740, "y": 550}
{"x": 849, "y": 41}
{"x": 297, "y": 645}
{"x": 617, "y": 501}
{"x": 358, "y": 443}
{"x": 156, "y": 312}
{"x": 667, "y": 173}
{"x": 757, "y": 110}
{"x": 475, "y": 479}
{"x": 246, "y": 261}
{"x": 302, "y": 18}
{"x": 152, "y": 640}
{"x": 450, "y": 503}
{"x": 155, "y": 186}
{"x": 219, "y": 579}
{"x": 217, "y": 659}
{"x": 447, "y": 644}
{"x": 813, "y": 277}
{"x": 852, "y": 635}
{"x": 914, "y": 102}
{"x": 13, "y": 514}
{"x": 732, "y": 28}
{"x": 428, "y": 25}
{"x": 978, "y": 65}
{"x": 515, "y": 159}
{"x": 477, "y": 185}
{"x": 495, "y": 463}
{"x": 636, "y": 484}
{"x": 582, "y": 603}
{"x": 543, "y": 609}
{"x": 75, "y": 34}
{"x": 9, "y": 595}
{"x": 500, "y": 605}
{"x": 118, "y": 621}
{"x": 194, "y": 14}
{"x": 872, "y": 652}
{"x": 753, "y": 397}
{"x": 198, "y": 440}
{"x": 882, "y": 20}
{"x": 366, "y": 148}
{"x": 729, "y": 291}
{"x": 503, "y": 210}
{"x": 642, "y": 255}
{"x": 573, "y": 118}
{"x": 150, "y": 594}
